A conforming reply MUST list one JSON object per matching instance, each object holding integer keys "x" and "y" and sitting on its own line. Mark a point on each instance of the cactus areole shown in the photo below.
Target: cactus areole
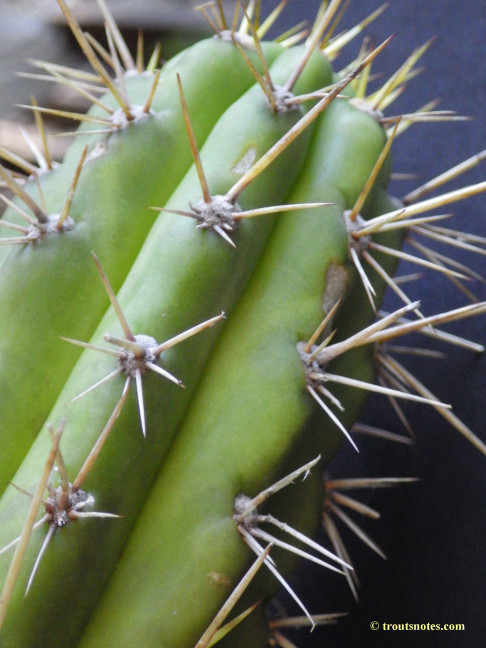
{"x": 192, "y": 297}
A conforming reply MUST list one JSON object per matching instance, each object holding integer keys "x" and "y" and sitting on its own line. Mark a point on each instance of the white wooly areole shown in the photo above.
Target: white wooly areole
{"x": 274, "y": 208}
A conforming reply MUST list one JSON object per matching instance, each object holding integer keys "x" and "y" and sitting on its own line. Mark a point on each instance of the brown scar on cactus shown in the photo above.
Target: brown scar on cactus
{"x": 64, "y": 504}
{"x": 222, "y": 213}
{"x": 42, "y": 224}
{"x": 333, "y": 508}
{"x": 135, "y": 353}
{"x": 247, "y": 521}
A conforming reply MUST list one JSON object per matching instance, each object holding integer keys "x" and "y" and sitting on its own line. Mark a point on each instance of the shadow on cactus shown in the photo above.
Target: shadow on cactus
{"x": 244, "y": 176}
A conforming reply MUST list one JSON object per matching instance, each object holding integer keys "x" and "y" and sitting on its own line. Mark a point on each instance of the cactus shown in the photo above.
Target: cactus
{"x": 241, "y": 335}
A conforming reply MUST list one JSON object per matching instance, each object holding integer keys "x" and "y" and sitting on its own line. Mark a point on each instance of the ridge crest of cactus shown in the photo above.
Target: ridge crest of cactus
{"x": 284, "y": 164}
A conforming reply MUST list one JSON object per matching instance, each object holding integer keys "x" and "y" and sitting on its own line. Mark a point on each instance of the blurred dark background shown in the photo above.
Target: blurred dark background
{"x": 432, "y": 531}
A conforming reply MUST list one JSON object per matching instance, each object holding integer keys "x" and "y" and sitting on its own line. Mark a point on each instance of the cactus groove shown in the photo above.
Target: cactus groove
{"x": 198, "y": 333}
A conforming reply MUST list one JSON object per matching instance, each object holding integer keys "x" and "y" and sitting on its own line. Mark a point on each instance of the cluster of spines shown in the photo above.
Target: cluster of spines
{"x": 315, "y": 357}
{"x": 394, "y": 380}
{"x": 135, "y": 354}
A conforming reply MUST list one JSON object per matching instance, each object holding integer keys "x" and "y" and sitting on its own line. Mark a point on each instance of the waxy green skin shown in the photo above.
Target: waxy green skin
{"x": 181, "y": 277}
{"x": 202, "y": 68}
{"x": 213, "y": 73}
{"x": 247, "y": 413}
{"x": 319, "y": 437}
{"x": 51, "y": 288}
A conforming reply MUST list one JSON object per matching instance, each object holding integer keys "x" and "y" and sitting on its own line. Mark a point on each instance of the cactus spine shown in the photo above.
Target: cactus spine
{"x": 296, "y": 293}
